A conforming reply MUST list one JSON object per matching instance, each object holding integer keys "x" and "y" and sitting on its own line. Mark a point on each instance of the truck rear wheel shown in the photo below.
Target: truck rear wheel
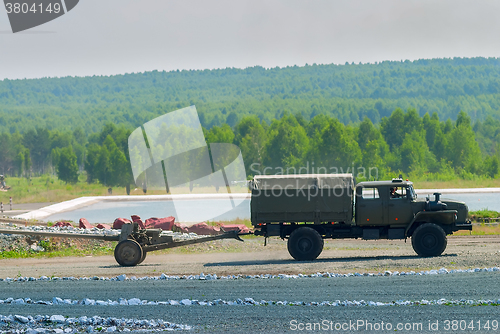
{"x": 128, "y": 253}
{"x": 143, "y": 257}
{"x": 429, "y": 240}
{"x": 305, "y": 244}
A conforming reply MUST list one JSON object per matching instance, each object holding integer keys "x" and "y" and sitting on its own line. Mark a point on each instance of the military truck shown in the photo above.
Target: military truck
{"x": 308, "y": 208}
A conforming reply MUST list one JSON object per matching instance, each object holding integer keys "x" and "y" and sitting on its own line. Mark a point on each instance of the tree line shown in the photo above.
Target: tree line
{"x": 103, "y": 155}
{"x": 403, "y": 142}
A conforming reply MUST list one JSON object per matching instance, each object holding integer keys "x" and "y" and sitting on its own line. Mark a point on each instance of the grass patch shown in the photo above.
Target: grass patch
{"x": 484, "y": 213}
{"x": 48, "y": 188}
{"x": 237, "y": 221}
{"x": 480, "y": 229}
{"x": 71, "y": 251}
{"x": 57, "y": 247}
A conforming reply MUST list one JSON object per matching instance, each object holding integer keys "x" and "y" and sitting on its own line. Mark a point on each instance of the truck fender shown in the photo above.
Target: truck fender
{"x": 443, "y": 217}
{"x": 286, "y": 230}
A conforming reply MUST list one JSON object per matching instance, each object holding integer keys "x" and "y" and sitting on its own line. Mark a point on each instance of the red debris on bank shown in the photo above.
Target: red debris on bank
{"x": 117, "y": 224}
{"x": 84, "y": 223}
{"x": 138, "y": 220}
{"x": 165, "y": 224}
{"x": 63, "y": 224}
{"x": 103, "y": 226}
{"x": 168, "y": 224}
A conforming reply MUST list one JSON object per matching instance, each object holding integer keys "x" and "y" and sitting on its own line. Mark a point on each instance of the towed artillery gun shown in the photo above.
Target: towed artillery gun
{"x": 133, "y": 242}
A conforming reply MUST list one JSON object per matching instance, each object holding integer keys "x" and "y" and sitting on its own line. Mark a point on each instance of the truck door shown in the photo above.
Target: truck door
{"x": 369, "y": 207}
{"x": 400, "y": 210}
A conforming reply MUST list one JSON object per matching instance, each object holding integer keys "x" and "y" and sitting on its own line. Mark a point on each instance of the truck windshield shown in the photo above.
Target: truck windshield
{"x": 412, "y": 192}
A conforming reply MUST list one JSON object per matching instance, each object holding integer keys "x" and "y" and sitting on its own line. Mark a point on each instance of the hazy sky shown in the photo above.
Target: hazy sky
{"x": 121, "y": 36}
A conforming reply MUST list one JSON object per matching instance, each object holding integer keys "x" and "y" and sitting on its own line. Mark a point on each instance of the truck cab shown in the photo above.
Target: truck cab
{"x": 396, "y": 205}
{"x": 392, "y": 210}
{"x": 385, "y": 203}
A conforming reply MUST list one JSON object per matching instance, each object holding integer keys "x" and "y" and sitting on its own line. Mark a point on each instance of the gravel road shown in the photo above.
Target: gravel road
{"x": 275, "y": 318}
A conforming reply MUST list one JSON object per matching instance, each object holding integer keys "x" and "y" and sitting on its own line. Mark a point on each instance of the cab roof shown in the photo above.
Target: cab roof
{"x": 393, "y": 183}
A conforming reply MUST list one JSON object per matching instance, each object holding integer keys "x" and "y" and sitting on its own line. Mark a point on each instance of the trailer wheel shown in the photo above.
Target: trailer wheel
{"x": 305, "y": 244}
{"x": 429, "y": 240}
{"x": 128, "y": 253}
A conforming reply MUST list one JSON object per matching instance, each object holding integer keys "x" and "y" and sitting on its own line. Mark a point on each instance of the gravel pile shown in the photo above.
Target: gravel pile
{"x": 202, "y": 276}
{"x": 64, "y": 229}
{"x": 179, "y": 236}
{"x": 248, "y": 302}
{"x": 60, "y": 324}
{"x": 12, "y": 241}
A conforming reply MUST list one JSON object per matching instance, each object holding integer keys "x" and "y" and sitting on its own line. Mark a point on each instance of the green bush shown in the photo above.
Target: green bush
{"x": 484, "y": 213}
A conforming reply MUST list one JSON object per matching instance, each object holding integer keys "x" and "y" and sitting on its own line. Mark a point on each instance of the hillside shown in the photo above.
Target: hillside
{"x": 348, "y": 92}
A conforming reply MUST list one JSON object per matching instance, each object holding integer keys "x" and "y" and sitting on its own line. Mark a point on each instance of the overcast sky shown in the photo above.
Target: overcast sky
{"x": 103, "y": 37}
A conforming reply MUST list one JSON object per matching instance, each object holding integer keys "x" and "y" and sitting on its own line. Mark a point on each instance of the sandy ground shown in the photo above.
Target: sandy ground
{"x": 232, "y": 257}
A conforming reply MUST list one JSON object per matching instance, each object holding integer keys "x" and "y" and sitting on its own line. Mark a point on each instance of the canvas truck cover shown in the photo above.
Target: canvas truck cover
{"x": 315, "y": 198}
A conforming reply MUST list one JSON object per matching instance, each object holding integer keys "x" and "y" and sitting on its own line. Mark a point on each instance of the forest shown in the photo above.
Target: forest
{"x": 418, "y": 147}
{"x": 348, "y": 92}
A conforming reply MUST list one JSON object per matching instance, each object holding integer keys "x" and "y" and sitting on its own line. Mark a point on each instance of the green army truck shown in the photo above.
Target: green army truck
{"x": 308, "y": 208}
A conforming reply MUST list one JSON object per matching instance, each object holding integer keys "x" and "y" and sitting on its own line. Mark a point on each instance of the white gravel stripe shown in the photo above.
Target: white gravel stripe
{"x": 60, "y": 324}
{"x": 208, "y": 277}
{"x": 247, "y": 302}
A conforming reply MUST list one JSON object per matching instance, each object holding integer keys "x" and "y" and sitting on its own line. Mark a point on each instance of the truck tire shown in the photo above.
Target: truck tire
{"x": 128, "y": 253}
{"x": 429, "y": 240}
{"x": 305, "y": 244}
{"x": 143, "y": 257}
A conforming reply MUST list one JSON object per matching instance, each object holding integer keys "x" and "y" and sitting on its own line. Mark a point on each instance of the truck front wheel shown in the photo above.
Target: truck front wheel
{"x": 305, "y": 244}
{"x": 429, "y": 240}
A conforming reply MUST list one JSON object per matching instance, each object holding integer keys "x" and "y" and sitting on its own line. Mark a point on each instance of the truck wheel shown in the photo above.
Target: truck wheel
{"x": 128, "y": 253}
{"x": 429, "y": 240}
{"x": 143, "y": 257}
{"x": 305, "y": 244}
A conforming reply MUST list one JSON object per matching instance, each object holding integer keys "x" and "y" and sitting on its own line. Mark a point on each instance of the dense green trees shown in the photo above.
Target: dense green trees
{"x": 251, "y": 137}
{"x": 65, "y": 161}
{"x": 403, "y": 142}
{"x": 287, "y": 143}
{"x": 107, "y": 157}
{"x": 334, "y": 146}
{"x": 225, "y": 96}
